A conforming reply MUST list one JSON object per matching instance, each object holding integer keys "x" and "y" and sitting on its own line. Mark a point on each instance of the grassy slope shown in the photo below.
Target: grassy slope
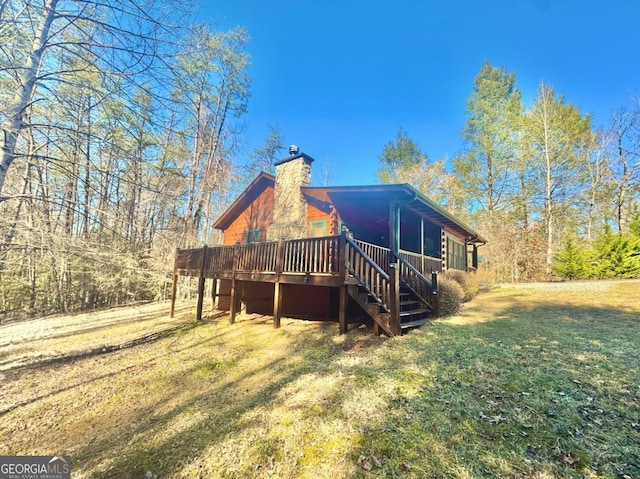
{"x": 524, "y": 383}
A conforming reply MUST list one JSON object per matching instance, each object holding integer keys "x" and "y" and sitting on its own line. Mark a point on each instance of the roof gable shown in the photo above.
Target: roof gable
{"x": 372, "y": 196}
{"x": 248, "y": 196}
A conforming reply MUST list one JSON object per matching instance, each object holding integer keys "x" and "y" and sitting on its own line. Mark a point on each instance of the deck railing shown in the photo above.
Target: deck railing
{"x": 424, "y": 264}
{"x": 256, "y": 257}
{"x": 220, "y": 258}
{"x": 379, "y": 254}
{"x": 189, "y": 259}
{"x": 308, "y": 255}
{"x": 311, "y": 255}
{"x": 369, "y": 264}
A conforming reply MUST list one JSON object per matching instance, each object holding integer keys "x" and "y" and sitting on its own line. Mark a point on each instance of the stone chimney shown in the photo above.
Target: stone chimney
{"x": 290, "y": 215}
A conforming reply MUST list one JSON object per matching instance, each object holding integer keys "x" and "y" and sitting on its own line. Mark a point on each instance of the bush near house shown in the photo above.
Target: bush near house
{"x": 468, "y": 282}
{"x": 450, "y": 295}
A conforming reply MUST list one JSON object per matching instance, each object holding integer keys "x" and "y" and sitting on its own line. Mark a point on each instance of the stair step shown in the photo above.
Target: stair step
{"x": 413, "y": 324}
{"x": 413, "y": 312}
{"x": 407, "y": 303}
{"x": 369, "y": 298}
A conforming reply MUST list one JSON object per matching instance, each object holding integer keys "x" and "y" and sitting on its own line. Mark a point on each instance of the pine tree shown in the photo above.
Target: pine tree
{"x": 488, "y": 165}
{"x": 397, "y": 156}
{"x": 618, "y": 255}
{"x": 572, "y": 261}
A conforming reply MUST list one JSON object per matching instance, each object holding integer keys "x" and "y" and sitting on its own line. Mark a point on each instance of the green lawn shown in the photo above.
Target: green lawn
{"x": 538, "y": 381}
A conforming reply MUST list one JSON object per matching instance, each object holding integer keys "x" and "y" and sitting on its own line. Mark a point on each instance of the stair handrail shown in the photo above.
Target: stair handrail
{"x": 375, "y": 265}
{"x": 383, "y": 289}
{"x": 412, "y": 268}
{"x": 419, "y": 275}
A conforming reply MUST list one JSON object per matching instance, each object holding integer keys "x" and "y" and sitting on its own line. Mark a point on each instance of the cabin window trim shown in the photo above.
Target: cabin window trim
{"x": 315, "y": 224}
{"x": 254, "y": 236}
{"x": 456, "y": 255}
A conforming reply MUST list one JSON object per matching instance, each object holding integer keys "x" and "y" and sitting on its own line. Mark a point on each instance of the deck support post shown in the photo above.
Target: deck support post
{"x": 234, "y": 286}
{"x": 214, "y": 293}
{"x": 234, "y": 300}
{"x": 277, "y": 287}
{"x": 277, "y": 304}
{"x": 201, "y": 280}
{"x": 394, "y": 317}
{"x": 422, "y": 268}
{"x": 174, "y": 289}
{"x": 342, "y": 313}
{"x": 174, "y": 286}
{"x": 435, "y": 307}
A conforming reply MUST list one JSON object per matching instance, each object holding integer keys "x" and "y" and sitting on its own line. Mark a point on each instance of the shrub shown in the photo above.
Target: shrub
{"x": 572, "y": 261}
{"x": 617, "y": 255}
{"x": 468, "y": 282}
{"x": 450, "y": 295}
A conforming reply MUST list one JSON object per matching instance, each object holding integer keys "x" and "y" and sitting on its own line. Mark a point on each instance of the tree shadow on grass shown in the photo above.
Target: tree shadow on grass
{"x": 204, "y": 406}
{"x": 453, "y": 399}
{"x": 545, "y": 388}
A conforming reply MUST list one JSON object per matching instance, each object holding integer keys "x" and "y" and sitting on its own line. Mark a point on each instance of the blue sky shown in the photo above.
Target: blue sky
{"x": 341, "y": 77}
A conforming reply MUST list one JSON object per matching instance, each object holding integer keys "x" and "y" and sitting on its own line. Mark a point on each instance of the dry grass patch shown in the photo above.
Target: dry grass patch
{"x": 525, "y": 382}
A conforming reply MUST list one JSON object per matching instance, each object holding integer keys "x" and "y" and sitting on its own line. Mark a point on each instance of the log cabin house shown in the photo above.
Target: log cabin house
{"x": 357, "y": 254}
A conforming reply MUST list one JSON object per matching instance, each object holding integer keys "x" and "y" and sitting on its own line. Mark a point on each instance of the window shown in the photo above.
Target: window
{"x": 318, "y": 228}
{"x": 253, "y": 236}
{"x": 456, "y": 255}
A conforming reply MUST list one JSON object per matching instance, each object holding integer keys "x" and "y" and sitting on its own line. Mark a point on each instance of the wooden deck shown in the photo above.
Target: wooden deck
{"x": 294, "y": 261}
{"x": 373, "y": 275}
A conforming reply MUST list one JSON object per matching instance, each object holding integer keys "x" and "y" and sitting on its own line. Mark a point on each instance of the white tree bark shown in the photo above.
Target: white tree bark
{"x": 17, "y": 109}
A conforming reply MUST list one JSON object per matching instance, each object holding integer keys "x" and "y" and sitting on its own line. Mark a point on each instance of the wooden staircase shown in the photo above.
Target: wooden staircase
{"x": 373, "y": 306}
{"x": 397, "y": 300}
{"x": 414, "y": 312}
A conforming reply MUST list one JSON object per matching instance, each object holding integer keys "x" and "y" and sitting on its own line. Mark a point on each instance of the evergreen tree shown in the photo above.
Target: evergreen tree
{"x": 634, "y": 224}
{"x": 617, "y": 255}
{"x": 489, "y": 168}
{"x": 572, "y": 261}
{"x": 488, "y": 164}
{"x": 397, "y": 156}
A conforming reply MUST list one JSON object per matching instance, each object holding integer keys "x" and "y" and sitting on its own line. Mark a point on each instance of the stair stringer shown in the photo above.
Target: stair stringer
{"x": 375, "y": 309}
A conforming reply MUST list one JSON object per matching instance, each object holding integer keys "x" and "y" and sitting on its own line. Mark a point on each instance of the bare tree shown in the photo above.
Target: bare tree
{"x": 115, "y": 40}
{"x": 213, "y": 86}
{"x": 558, "y": 133}
{"x": 624, "y": 142}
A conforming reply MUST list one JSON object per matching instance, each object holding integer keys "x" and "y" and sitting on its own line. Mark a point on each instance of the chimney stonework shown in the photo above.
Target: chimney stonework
{"x": 290, "y": 215}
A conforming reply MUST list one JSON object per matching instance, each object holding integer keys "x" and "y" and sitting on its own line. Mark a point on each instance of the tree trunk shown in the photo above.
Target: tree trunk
{"x": 548, "y": 191}
{"x": 17, "y": 108}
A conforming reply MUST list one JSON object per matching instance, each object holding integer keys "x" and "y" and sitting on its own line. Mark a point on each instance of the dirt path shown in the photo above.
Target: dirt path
{"x": 56, "y": 338}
